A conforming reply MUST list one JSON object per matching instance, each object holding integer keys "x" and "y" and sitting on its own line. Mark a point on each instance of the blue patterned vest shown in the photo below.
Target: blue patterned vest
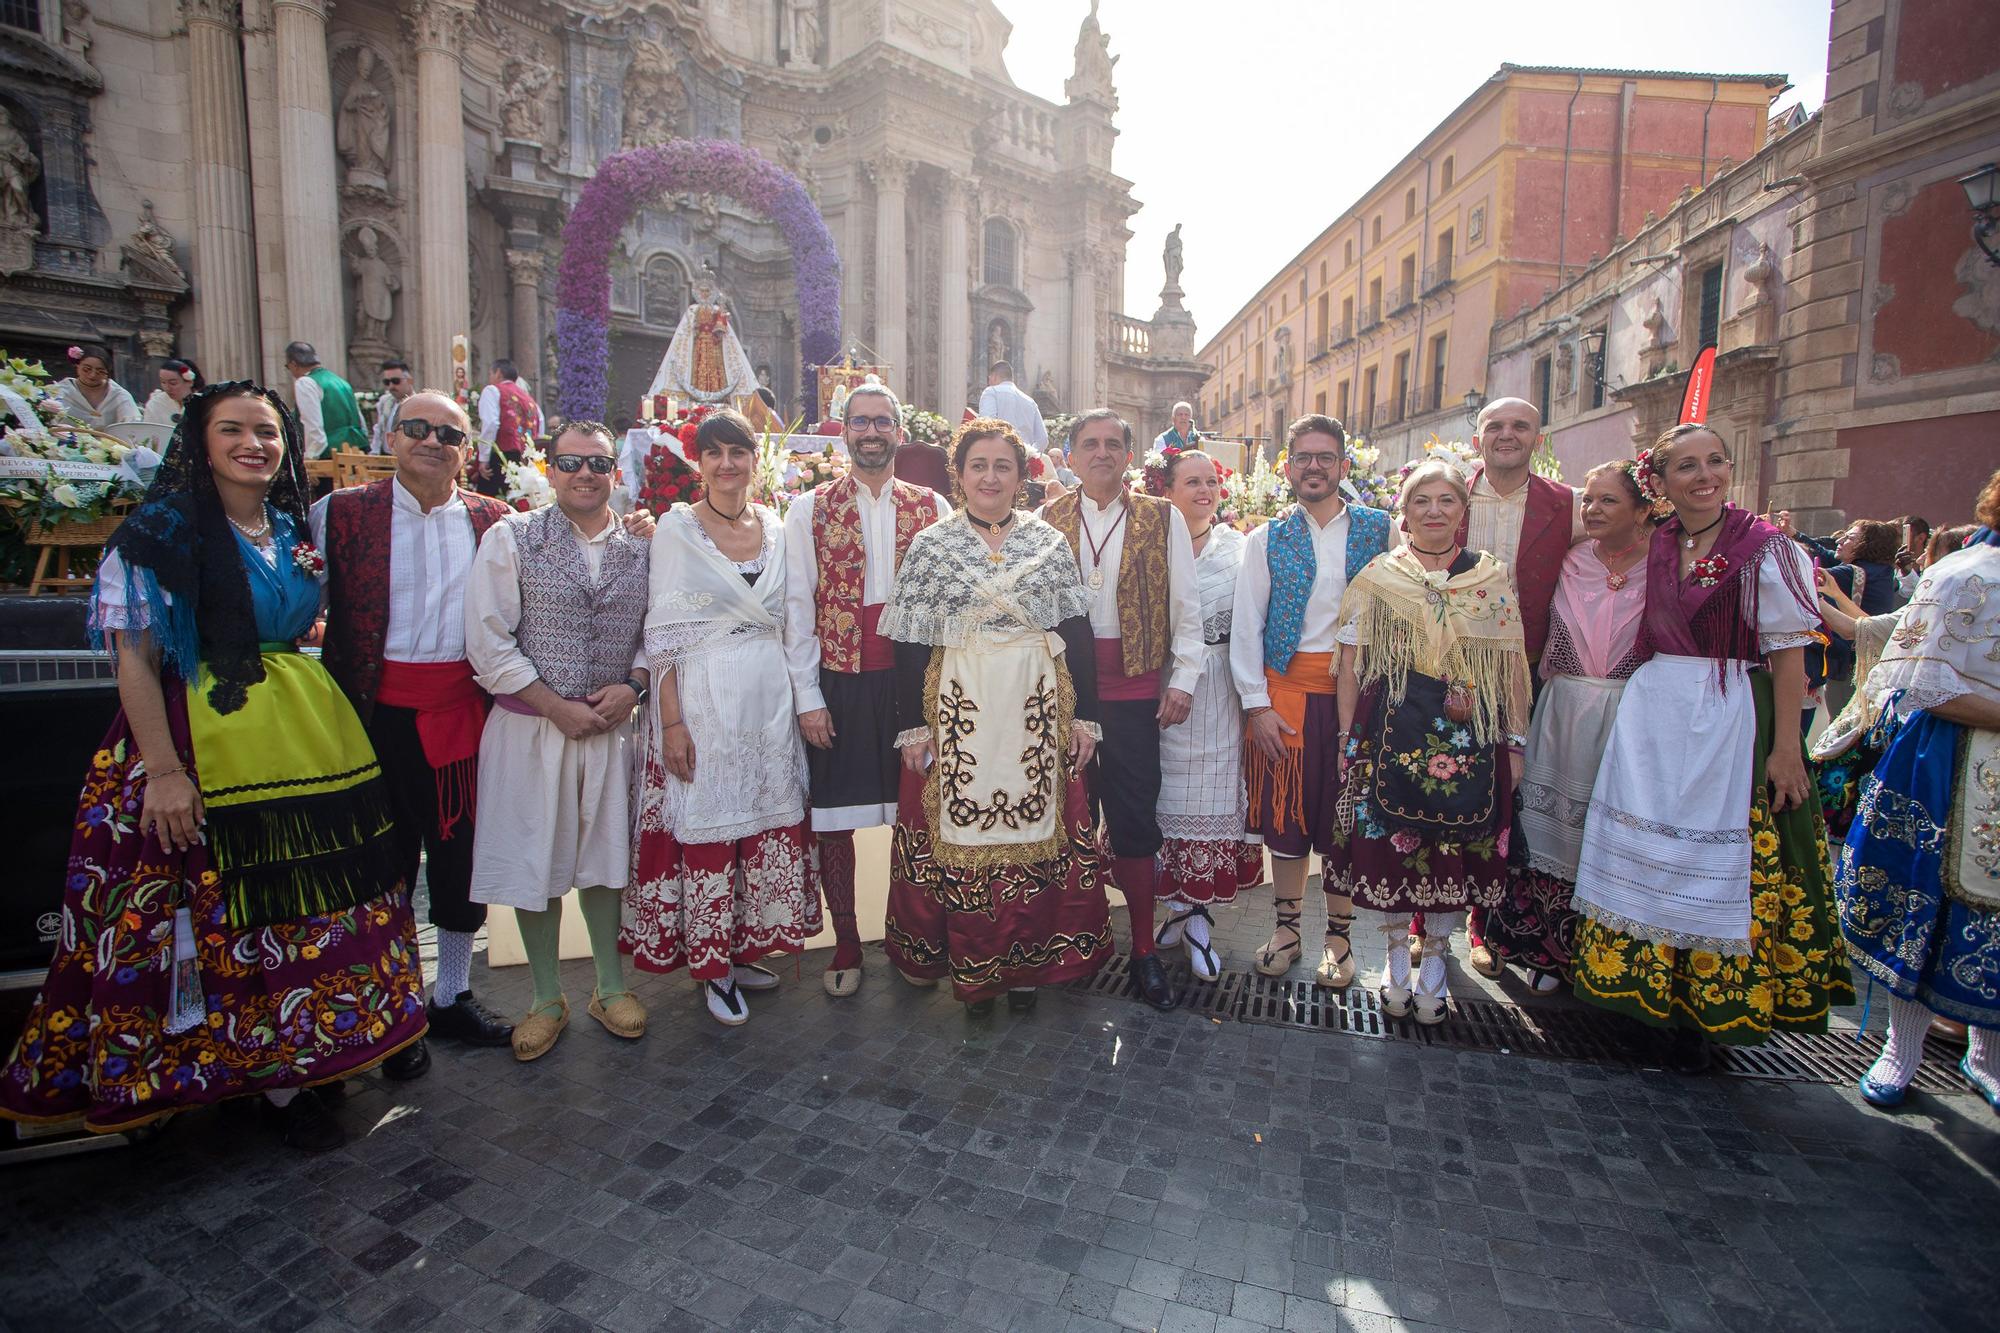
{"x": 1293, "y": 566}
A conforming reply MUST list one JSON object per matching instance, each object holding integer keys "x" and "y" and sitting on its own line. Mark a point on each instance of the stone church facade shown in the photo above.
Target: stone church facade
{"x": 215, "y": 178}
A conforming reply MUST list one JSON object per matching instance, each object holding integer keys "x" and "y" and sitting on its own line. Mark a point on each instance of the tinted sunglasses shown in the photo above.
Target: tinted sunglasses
{"x": 601, "y": 464}
{"x": 448, "y": 436}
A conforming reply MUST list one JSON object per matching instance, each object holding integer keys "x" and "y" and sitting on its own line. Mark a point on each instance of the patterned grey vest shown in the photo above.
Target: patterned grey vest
{"x": 580, "y": 635}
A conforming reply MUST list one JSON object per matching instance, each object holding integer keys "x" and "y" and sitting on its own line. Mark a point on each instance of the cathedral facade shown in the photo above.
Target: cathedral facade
{"x": 216, "y": 178}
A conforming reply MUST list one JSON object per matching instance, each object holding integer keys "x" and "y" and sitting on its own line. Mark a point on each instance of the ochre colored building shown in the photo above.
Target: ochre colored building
{"x": 1383, "y": 320}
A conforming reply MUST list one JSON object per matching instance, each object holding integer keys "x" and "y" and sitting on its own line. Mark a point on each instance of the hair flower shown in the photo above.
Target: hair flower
{"x": 74, "y": 353}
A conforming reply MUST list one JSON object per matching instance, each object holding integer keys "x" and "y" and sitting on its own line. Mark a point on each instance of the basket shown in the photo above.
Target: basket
{"x": 94, "y": 533}
{"x": 52, "y": 543}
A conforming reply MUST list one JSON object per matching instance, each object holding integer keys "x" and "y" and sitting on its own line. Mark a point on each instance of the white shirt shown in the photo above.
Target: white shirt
{"x": 387, "y": 409}
{"x": 161, "y": 409}
{"x": 430, "y": 556}
{"x": 117, "y": 408}
{"x": 1006, "y": 401}
{"x": 306, "y": 393}
{"x": 1253, "y": 597}
{"x": 878, "y": 577}
{"x": 1104, "y": 532}
{"x": 489, "y": 416}
{"x": 1494, "y": 523}
{"x": 493, "y": 607}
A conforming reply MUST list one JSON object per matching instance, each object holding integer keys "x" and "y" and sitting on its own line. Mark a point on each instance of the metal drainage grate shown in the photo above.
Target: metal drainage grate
{"x": 1556, "y": 1032}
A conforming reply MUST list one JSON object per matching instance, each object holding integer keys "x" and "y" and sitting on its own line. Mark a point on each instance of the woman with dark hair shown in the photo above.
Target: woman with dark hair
{"x": 1702, "y": 878}
{"x": 724, "y": 873}
{"x": 996, "y": 880}
{"x": 1919, "y": 875}
{"x": 235, "y": 922}
{"x": 1592, "y": 651}
{"x": 178, "y": 379}
{"x": 90, "y": 394}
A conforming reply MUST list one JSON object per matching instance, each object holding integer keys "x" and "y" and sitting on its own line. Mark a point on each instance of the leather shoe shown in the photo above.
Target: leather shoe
{"x": 1021, "y": 999}
{"x": 305, "y": 1123}
{"x": 467, "y": 1020}
{"x": 413, "y": 1061}
{"x": 1149, "y": 977}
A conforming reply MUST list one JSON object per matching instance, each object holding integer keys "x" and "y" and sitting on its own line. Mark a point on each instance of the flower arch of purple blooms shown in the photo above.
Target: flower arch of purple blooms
{"x": 631, "y": 179}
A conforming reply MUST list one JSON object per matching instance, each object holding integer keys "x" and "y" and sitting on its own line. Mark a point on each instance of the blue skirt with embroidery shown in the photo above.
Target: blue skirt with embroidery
{"x": 1901, "y": 925}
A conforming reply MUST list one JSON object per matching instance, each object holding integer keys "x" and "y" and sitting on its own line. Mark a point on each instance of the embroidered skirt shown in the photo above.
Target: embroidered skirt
{"x": 283, "y": 1005}
{"x": 1201, "y": 807}
{"x": 1796, "y": 967}
{"x": 1903, "y": 924}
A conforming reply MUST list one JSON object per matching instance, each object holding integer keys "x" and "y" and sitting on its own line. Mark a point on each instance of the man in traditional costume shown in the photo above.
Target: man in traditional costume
{"x": 554, "y": 607}
{"x": 329, "y": 414}
{"x": 508, "y": 419}
{"x": 1284, "y": 656}
{"x": 1137, "y": 562}
{"x": 397, "y": 554}
{"x": 844, "y": 542}
{"x": 1527, "y": 523}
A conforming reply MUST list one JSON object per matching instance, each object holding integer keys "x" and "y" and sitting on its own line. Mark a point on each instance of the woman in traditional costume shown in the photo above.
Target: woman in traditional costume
{"x": 1703, "y": 877}
{"x": 234, "y": 921}
{"x": 1202, "y": 808}
{"x": 178, "y": 379}
{"x": 1592, "y": 650}
{"x": 1919, "y": 877}
{"x": 724, "y": 872}
{"x": 996, "y": 880}
{"x": 1432, "y": 698}
{"x": 91, "y": 395}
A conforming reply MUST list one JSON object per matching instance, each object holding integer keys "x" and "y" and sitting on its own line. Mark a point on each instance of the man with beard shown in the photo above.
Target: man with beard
{"x": 844, "y": 542}
{"x": 1137, "y": 562}
{"x": 1282, "y": 653}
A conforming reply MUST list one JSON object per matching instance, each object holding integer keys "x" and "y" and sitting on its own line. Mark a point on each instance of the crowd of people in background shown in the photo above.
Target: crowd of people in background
{"x": 1576, "y": 722}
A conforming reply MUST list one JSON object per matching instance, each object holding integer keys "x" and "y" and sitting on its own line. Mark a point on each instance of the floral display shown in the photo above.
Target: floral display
{"x": 62, "y": 471}
{"x": 921, "y": 427}
{"x": 627, "y": 181}
{"x": 784, "y": 474}
{"x": 1262, "y": 491}
{"x": 670, "y": 479}
{"x": 527, "y": 480}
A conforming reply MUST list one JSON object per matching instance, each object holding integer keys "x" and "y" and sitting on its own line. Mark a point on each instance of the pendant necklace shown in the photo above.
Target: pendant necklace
{"x": 1688, "y": 538}
{"x": 1097, "y": 547}
{"x": 1433, "y": 595}
{"x": 993, "y": 557}
{"x": 1612, "y": 579}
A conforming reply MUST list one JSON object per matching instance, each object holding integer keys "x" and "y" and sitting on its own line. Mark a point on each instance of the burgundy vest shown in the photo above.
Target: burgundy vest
{"x": 517, "y": 419}
{"x": 1545, "y": 533}
{"x": 357, "y": 582}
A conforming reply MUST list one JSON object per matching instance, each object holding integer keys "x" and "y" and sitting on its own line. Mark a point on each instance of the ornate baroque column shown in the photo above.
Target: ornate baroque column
{"x": 225, "y": 235}
{"x": 308, "y": 180}
{"x": 444, "y": 293}
{"x": 524, "y": 273}
{"x": 955, "y": 316}
{"x": 1083, "y": 266}
{"x": 892, "y": 180}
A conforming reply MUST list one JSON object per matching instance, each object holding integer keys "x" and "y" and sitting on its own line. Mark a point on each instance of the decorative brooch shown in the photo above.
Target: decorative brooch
{"x": 1708, "y": 571}
{"x": 307, "y": 557}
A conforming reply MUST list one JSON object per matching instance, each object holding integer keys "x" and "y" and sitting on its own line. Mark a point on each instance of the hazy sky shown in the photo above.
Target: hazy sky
{"x": 1255, "y": 123}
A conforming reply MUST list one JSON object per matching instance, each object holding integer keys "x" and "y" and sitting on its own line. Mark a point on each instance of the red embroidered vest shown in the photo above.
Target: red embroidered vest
{"x": 1545, "y": 534}
{"x": 357, "y": 582}
{"x": 517, "y": 419}
{"x": 837, "y": 549}
{"x": 1144, "y": 626}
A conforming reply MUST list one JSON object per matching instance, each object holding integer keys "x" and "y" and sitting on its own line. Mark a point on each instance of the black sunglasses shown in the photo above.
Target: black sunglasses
{"x": 601, "y": 464}
{"x": 448, "y": 436}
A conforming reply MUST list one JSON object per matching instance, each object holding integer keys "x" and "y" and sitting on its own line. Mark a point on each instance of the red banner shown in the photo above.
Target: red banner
{"x": 1701, "y": 383}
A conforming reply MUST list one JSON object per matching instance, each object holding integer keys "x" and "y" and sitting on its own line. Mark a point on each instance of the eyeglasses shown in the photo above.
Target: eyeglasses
{"x": 883, "y": 424}
{"x": 1311, "y": 461}
{"x": 448, "y": 436}
{"x": 601, "y": 464}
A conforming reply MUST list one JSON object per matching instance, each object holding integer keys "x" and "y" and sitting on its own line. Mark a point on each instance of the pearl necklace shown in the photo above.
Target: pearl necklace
{"x": 252, "y": 534}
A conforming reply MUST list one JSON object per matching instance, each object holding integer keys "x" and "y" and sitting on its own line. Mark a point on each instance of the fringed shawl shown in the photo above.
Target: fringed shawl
{"x": 1686, "y": 619}
{"x": 1464, "y": 629}
{"x": 952, "y": 591}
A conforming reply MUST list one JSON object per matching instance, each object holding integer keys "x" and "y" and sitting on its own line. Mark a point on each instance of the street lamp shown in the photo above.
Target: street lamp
{"x": 1474, "y": 400}
{"x": 1982, "y": 191}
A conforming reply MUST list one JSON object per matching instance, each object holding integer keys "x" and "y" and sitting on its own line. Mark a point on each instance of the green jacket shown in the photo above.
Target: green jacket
{"x": 339, "y": 412}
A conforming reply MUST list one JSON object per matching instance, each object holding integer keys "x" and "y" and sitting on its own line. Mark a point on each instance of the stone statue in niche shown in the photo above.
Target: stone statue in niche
{"x": 1565, "y": 370}
{"x": 521, "y": 107}
{"x": 1655, "y": 325}
{"x": 802, "y": 31}
{"x": 78, "y": 31}
{"x": 1761, "y": 274}
{"x": 149, "y": 252}
{"x": 1045, "y": 394}
{"x": 19, "y": 169}
{"x": 996, "y": 341}
{"x": 1172, "y": 256}
{"x": 375, "y": 288}
{"x": 654, "y": 100}
{"x": 1283, "y": 369}
{"x": 361, "y": 128}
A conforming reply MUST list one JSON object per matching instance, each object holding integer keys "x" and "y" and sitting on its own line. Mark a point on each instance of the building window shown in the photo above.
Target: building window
{"x": 1436, "y": 399}
{"x": 1347, "y": 317}
{"x": 1322, "y": 270}
{"x": 1340, "y": 402}
{"x": 1444, "y": 175}
{"x": 1325, "y": 308}
{"x": 1376, "y": 233}
{"x": 23, "y": 14}
{"x": 1409, "y": 203}
{"x": 1402, "y": 381}
{"x": 1711, "y": 305}
{"x": 1002, "y": 268}
{"x": 1319, "y": 403}
{"x": 1347, "y": 260}
{"x": 1540, "y": 387}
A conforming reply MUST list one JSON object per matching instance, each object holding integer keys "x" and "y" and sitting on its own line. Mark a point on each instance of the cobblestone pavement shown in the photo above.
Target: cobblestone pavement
{"x": 885, "y": 1163}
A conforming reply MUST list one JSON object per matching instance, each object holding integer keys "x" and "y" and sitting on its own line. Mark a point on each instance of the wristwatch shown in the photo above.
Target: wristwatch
{"x": 638, "y": 687}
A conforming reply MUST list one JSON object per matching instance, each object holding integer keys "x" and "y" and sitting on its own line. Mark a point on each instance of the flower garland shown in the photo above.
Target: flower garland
{"x": 669, "y": 478}
{"x": 1151, "y": 477}
{"x": 627, "y": 181}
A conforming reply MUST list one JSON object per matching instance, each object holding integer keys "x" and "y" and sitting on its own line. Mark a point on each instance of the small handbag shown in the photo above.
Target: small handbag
{"x": 1422, "y": 779}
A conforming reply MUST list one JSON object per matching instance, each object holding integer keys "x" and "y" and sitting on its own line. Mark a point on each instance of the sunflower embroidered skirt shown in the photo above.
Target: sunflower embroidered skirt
{"x": 178, "y": 980}
{"x": 1796, "y": 969}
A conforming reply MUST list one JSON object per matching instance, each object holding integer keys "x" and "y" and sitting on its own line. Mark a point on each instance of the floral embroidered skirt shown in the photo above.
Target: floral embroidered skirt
{"x": 708, "y": 905}
{"x": 1903, "y": 923}
{"x": 1796, "y": 969}
{"x": 285, "y": 1005}
{"x": 1398, "y": 872}
{"x": 1205, "y": 872}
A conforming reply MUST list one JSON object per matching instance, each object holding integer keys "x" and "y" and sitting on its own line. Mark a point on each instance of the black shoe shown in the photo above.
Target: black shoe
{"x": 979, "y": 1008}
{"x": 1149, "y": 975}
{"x": 305, "y": 1123}
{"x": 413, "y": 1061}
{"x": 1688, "y": 1052}
{"x": 333, "y": 1094}
{"x": 1022, "y": 1000}
{"x": 469, "y": 1021}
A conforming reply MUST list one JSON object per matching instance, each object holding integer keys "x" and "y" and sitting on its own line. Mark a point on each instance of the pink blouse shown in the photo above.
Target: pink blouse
{"x": 1594, "y": 627}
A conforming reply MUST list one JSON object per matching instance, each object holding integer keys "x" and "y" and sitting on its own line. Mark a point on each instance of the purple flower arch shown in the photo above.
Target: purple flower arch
{"x": 631, "y": 179}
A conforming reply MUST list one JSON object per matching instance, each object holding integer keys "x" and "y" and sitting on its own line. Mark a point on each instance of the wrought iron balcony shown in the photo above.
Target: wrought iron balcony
{"x": 1402, "y": 297}
{"x": 1437, "y": 275}
{"x": 1371, "y": 315}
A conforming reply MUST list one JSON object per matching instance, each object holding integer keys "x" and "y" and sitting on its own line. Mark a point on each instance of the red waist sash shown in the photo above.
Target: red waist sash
{"x": 451, "y": 710}
{"x": 1113, "y": 683}
{"x": 877, "y": 653}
